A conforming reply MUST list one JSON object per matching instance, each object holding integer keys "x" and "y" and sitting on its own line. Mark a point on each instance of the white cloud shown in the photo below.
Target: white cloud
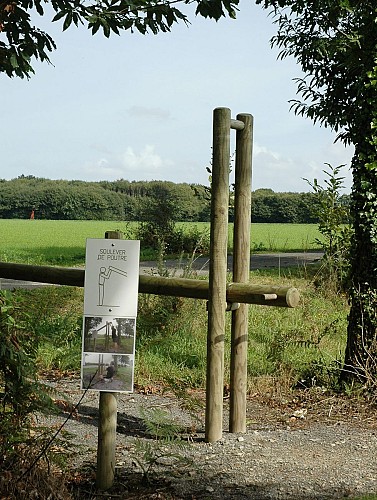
{"x": 145, "y": 164}
{"x": 288, "y": 173}
{"x": 147, "y": 160}
{"x": 101, "y": 169}
{"x": 273, "y": 170}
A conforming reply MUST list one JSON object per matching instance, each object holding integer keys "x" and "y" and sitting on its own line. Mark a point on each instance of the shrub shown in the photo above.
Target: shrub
{"x": 334, "y": 217}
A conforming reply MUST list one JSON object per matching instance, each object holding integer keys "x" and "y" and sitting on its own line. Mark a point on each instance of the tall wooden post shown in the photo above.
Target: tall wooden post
{"x": 107, "y": 425}
{"x": 217, "y": 274}
{"x": 241, "y": 271}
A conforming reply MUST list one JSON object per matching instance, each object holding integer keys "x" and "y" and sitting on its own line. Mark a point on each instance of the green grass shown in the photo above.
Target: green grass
{"x": 289, "y": 347}
{"x": 306, "y": 343}
{"x": 63, "y": 242}
{"x": 273, "y": 237}
{"x": 303, "y": 346}
{"x": 367, "y": 497}
{"x": 48, "y": 241}
{"x": 283, "y": 237}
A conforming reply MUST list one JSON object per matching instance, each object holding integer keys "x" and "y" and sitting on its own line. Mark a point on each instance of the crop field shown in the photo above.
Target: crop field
{"x": 61, "y": 242}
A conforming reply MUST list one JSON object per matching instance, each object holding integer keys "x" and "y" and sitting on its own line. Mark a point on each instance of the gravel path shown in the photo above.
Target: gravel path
{"x": 304, "y": 447}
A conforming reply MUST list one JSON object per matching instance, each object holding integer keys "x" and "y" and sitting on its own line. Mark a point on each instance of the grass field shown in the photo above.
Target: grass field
{"x": 63, "y": 242}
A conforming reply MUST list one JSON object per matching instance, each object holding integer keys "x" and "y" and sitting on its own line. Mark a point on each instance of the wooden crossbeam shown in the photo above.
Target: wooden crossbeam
{"x": 247, "y": 293}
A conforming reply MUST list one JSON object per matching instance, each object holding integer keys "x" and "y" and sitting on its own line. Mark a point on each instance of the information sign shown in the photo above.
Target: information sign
{"x": 110, "y": 310}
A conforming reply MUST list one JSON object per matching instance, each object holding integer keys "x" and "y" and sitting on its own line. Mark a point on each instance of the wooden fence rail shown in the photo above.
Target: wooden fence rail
{"x": 180, "y": 287}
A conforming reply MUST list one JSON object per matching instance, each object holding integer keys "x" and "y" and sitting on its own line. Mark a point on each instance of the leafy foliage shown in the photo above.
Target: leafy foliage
{"x": 139, "y": 201}
{"x": 18, "y": 351}
{"x": 21, "y": 394}
{"x": 335, "y": 42}
{"x": 295, "y": 208}
{"x": 167, "y": 447}
{"x": 23, "y": 42}
{"x": 334, "y": 218}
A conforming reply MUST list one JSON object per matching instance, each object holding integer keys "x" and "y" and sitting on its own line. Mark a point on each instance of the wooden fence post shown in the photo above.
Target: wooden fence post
{"x": 217, "y": 274}
{"x": 241, "y": 273}
{"x": 107, "y": 424}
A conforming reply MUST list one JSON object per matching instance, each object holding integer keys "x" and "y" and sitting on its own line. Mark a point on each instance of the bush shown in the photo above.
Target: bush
{"x": 22, "y": 395}
{"x": 334, "y": 217}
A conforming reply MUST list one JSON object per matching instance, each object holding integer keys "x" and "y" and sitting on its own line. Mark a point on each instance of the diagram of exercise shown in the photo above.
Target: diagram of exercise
{"x": 103, "y": 276}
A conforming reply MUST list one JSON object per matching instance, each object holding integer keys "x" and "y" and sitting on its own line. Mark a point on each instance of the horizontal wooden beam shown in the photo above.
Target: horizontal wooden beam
{"x": 43, "y": 274}
{"x": 178, "y": 287}
{"x": 237, "y": 124}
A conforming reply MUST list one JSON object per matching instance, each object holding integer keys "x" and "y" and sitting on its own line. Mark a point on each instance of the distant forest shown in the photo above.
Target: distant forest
{"x": 129, "y": 200}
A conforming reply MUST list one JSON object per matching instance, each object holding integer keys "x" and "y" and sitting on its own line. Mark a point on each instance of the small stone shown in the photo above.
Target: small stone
{"x": 240, "y": 439}
{"x": 209, "y": 489}
{"x": 301, "y": 413}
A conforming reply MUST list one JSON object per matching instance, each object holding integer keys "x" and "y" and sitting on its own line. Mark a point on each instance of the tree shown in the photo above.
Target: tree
{"x": 335, "y": 42}
{"x": 21, "y": 43}
{"x": 159, "y": 215}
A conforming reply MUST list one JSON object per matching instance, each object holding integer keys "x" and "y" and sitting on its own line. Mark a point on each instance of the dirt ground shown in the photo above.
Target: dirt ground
{"x": 307, "y": 444}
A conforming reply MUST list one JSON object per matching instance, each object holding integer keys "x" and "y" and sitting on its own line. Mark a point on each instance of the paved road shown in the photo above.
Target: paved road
{"x": 257, "y": 261}
{"x": 200, "y": 266}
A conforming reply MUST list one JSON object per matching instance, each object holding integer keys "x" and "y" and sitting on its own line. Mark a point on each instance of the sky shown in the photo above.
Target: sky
{"x": 140, "y": 107}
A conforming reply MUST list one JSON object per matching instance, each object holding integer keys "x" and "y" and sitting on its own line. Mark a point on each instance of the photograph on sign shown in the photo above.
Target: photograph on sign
{"x": 108, "y": 334}
{"x": 107, "y": 372}
{"x": 111, "y": 277}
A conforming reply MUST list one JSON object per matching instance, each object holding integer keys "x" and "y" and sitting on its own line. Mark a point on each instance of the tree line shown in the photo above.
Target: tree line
{"x": 133, "y": 201}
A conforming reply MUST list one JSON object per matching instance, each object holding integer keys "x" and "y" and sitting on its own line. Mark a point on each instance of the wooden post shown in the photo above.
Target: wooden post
{"x": 107, "y": 425}
{"x": 106, "y": 440}
{"x": 217, "y": 274}
{"x": 241, "y": 272}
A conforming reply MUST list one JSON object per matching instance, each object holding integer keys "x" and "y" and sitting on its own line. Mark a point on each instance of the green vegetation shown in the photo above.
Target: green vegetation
{"x": 281, "y": 237}
{"x": 294, "y": 347}
{"x": 306, "y": 343}
{"x": 28, "y": 196}
{"x": 336, "y": 236}
{"x": 288, "y": 349}
{"x": 22, "y": 395}
{"x": 24, "y": 42}
{"x": 335, "y": 43}
{"x": 300, "y": 347}
{"x": 63, "y": 242}
{"x": 124, "y": 200}
{"x": 50, "y": 242}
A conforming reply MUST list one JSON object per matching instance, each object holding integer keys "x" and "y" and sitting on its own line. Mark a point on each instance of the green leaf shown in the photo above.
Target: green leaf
{"x": 67, "y": 21}
{"x": 13, "y": 61}
{"x": 39, "y": 8}
{"x": 59, "y": 15}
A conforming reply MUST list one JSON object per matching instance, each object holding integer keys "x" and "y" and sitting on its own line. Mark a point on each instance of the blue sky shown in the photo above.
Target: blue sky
{"x": 140, "y": 107}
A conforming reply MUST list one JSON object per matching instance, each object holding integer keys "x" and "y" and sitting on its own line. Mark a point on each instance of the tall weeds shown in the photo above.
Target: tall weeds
{"x": 24, "y": 475}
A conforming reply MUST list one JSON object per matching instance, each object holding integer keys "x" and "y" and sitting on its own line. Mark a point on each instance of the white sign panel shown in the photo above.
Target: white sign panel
{"x": 111, "y": 277}
{"x": 110, "y": 310}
